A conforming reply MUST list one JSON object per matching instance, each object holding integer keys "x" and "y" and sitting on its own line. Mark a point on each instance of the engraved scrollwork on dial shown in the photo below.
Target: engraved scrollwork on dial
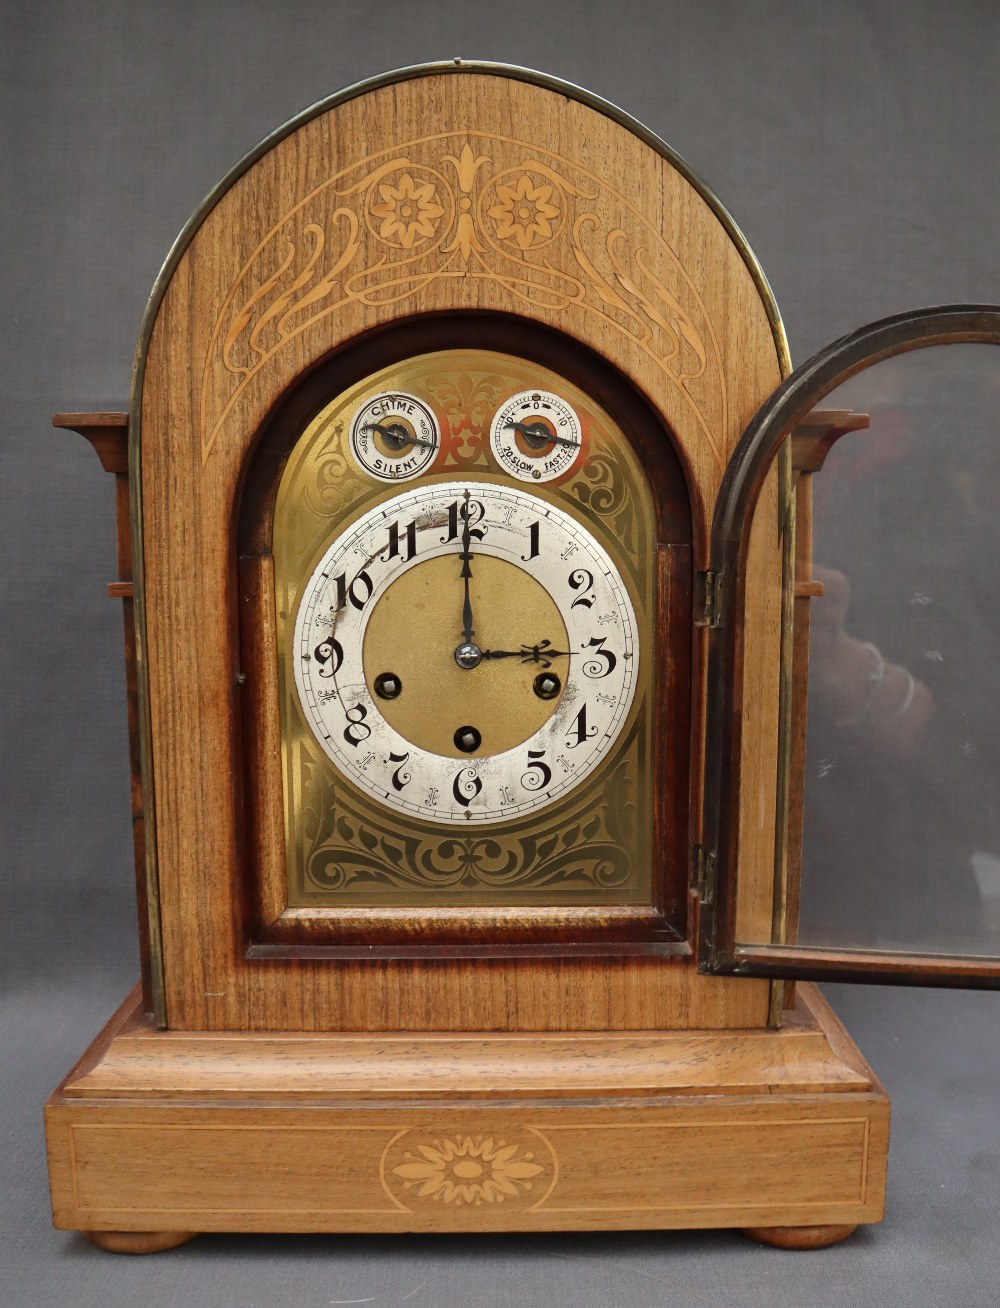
{"x": 467, "y": 403}
{"x": 329, "y": 491}
{"x": 600, "y": 486}
{"x": 586, "y": 849}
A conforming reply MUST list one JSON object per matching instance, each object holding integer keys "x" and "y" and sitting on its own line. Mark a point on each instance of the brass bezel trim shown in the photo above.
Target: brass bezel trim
{"x": 455, "y": 66}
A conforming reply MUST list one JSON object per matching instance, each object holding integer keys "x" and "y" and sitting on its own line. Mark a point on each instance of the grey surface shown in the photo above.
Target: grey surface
{"x": 857, "y": 146}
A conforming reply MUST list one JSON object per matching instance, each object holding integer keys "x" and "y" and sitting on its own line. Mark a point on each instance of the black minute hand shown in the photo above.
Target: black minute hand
{"x": 468, "y": 631}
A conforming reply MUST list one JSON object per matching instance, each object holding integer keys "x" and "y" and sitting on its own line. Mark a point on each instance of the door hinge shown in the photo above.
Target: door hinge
{"x": 705, "y": 869}
{"x": 710, "y": 599}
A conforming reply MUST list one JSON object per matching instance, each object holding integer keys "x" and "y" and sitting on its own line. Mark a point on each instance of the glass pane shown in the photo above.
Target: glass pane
{"x": 901, "y": 844}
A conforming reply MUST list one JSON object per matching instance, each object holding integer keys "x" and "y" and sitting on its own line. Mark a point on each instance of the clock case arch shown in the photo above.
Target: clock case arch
{"x": 697, "y": 335}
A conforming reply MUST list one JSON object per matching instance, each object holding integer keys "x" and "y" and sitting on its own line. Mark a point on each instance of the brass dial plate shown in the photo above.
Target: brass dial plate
{"x": 594, "y": 845}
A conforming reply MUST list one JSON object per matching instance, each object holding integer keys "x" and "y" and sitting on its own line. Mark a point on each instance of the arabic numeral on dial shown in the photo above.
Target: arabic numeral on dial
{"x": 593, "y": 666}
{"x": 358, "y": 730}
{"x": 580, "y": 729}
{"x": 532, "y": 543}
{"x": 466, "y": 787}
{"x": 329, "y": 654}
{"x": 400, "y": 777}
{"x": 539, "y": 774}
{"x": 460, "y": 511}
{"x": 409, "y": 540}
{"x": 359, "y": 592}
{"x": 583, "y": 581}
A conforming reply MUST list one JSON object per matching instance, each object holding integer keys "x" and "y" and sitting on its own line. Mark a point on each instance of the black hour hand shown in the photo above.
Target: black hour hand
{"x": 542, "y": 653}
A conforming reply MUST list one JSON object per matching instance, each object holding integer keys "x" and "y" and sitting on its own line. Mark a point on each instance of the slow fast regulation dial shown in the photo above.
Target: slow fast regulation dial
{"x": 536, "y": 436}
{"x": 466, "y": 653}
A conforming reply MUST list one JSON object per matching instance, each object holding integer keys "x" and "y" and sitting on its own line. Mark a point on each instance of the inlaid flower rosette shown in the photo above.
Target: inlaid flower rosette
{"x": 457, "y": 1169}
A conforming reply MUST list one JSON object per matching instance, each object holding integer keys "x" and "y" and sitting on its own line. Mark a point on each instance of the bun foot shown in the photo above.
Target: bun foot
{"x": 138, "y": 1242}
{"x": 799, "y": 1237}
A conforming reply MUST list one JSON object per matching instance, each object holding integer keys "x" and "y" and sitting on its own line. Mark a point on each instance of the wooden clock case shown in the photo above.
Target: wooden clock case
{"x": 515, "y": 1070}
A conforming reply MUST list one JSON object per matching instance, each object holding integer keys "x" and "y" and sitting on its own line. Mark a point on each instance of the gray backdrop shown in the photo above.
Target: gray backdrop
{"x": 856, "y": 144}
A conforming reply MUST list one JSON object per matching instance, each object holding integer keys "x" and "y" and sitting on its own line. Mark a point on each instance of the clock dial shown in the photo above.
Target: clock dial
{"x": 394, "y": 436}
{"x": 466, "y": 652}
{"x": 536, "y": 436}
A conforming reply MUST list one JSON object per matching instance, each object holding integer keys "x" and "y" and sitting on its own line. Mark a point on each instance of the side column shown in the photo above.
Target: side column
{"x": 108, "y": 434}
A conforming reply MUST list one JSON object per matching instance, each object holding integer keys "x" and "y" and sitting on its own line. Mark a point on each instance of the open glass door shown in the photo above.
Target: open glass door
{"x": 887, "y": 817}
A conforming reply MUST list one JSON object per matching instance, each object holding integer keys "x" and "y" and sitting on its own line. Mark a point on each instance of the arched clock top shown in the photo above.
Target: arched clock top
{"x": 606, "y": 235}
{"x": 547, "y": 216}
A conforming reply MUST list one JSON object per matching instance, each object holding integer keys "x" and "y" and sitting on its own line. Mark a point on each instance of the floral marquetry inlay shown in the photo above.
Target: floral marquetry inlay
{"x": 524, "y": 212}
{"x": 406, "y": 213}
{"x": 459, "y": 1169}
{"x": 496, "y": 216}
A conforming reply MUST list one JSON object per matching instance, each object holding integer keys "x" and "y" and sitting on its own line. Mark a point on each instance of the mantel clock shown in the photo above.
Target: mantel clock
{"x": 467, "y": 611}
